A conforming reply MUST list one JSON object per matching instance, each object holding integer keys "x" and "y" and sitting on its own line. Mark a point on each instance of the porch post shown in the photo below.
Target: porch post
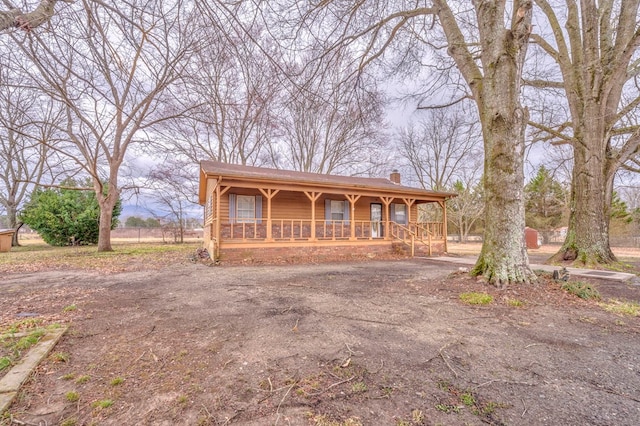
{"x": 216, "y": 231}
{"x": 352, "y": 200}
{"x": 409, "y": 202}
{"x": 313, "y": 197}
{"x": 387, "y": 231}
{"x": 219, "y": 193}
{"x": 269, "y": 194}
{"x": 443, "y": 204}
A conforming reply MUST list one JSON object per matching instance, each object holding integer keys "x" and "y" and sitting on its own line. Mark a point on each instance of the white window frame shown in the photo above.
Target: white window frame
{"x": 337, "y": 211}
{"x": 245, "y": 208}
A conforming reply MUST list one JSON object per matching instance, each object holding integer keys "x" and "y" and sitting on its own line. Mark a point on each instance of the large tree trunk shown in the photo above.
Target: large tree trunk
{"x": 106, "y": 202}
{"x": 503, "y": 258}
{"x": 587, "y": 240}
{"x": 104, "y": 236}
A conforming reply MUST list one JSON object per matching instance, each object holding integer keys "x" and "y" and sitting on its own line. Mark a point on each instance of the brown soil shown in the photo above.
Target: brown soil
{"x": 370, "y": 342}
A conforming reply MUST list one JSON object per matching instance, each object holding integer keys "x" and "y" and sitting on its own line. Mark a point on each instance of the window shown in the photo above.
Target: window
{"x": 245, "y": 208}
{"x": 399, "y": 213}
{"x": 336, "y": 211}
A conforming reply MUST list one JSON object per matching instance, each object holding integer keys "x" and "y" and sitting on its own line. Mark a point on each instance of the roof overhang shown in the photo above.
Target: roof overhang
{"x": 255, "y": 177}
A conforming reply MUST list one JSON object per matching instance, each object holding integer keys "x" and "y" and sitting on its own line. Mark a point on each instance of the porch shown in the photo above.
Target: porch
{"x": 257, "y": 208}
{"x": 303, "y": 232}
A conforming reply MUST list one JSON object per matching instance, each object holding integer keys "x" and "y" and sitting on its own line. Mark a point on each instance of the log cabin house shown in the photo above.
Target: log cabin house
{"x": 255, "y": 212}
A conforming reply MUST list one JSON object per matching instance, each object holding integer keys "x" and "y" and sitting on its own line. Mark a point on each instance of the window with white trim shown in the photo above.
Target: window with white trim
{"x": 336, "y": 211}
{"x": 246, "y": 208}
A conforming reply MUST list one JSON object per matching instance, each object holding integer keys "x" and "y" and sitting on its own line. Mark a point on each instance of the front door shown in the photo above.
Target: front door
{"x": 376, "y": 220}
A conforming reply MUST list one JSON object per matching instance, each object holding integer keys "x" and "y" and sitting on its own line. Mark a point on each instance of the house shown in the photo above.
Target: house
{"x": 264, "y": 213}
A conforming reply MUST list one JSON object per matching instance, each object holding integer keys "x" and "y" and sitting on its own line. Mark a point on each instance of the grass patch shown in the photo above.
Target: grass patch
{"x": 69, "y": 422}
{"x": 515, "y": 303}
{"x": 324, "y": 420}
{"x": 72, "y": 396}
{"x": 622, "y": 307}
{"x": 12, "y": 348}
{"x": 359, "y": 387}
{"x": 5, "y": 362}
{"x": 468, "y": 399}
{"x": 28, "y": 341}
{"x": 448, "y": 408}
{"x": 474, "y": 298}
{"x": 60, "y": 357}
{"x": 38, "y": 257}
{"x": 116, "y": 381}
{"x": 581, "y": 289}
{"x": 70, "y": 308}
{"x": 83, "y": 379}
{"x": 103, "y": 403}
{"x": 20, "y": 326}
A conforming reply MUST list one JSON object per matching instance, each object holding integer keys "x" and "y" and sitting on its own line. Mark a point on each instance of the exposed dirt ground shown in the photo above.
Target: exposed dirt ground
{"x": 370, "y": 342}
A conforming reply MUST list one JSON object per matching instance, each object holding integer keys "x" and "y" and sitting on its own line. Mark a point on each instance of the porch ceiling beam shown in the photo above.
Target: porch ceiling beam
{"x": 269, "y": 193}
{"x": 365, "y": 192}
{"x": 313, "y": 196}
{"x": 409, "y": 202}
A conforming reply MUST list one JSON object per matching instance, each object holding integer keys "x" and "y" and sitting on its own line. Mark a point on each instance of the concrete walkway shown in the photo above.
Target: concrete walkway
{"x": 11, "y": 382}
{"x": 573, "y": 272}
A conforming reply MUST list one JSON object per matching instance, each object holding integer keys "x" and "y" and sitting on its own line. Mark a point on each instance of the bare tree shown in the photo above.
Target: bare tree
{"x": 27, "y": 123}
{"x": 174, "y": 189}
{"x": 487, "y": 43}
{"x": 112, "y": 69}
{"x": 467, "y": 208}
{"x": 442, "y": 147}
{"x": 231, "y": 87}
{"x": 330, "y": 121}
{"x": 594, "y": 48}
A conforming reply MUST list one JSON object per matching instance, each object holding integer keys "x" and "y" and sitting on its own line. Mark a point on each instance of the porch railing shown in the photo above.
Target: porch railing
{"x": 300, "y": 229}
{"x": 415, "y": 233}
{"x": 252, "y": 230}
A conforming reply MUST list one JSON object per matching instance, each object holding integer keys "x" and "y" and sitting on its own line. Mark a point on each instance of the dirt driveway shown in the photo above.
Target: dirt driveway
{"x": 371, "y": 343}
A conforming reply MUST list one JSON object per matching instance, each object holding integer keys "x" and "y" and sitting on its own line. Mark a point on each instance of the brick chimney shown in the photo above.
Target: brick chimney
{"x": 395, "y": 177}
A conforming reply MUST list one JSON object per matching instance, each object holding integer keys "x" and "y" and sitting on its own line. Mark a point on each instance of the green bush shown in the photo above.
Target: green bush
{"x": 64, "y": 216}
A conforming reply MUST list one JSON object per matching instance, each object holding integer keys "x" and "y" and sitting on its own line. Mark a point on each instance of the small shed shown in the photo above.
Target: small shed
{"x": 532, "y": 238}
{"x": 6, "y": 236}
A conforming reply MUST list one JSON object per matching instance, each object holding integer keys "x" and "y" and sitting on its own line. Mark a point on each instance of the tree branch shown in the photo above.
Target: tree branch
{"x": 27, "y": 21}
{"x": 544, "y": 84}
{"x": 450, "y": 104}
{"x": 562, "y": 138}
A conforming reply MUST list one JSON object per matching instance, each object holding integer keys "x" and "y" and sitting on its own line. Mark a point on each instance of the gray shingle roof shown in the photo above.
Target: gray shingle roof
{"x": 213, "y": 168}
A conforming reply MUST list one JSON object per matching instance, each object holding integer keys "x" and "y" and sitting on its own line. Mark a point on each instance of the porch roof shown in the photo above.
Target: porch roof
{"x": 276, "y": 178}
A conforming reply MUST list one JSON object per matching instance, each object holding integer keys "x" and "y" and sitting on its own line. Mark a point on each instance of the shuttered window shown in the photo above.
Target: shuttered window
{"x": 245, "y": 208}
{"x": 336, "y": 211}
